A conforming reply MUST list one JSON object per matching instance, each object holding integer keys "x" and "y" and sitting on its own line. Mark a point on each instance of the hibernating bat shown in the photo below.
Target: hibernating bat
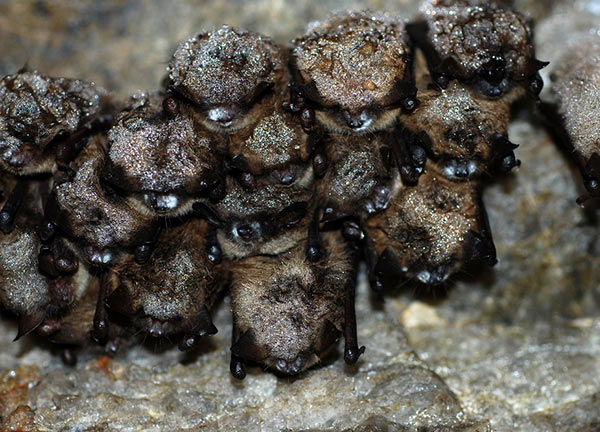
{"x": 98, "y": 224}
{"x": 161, "y": 159}
{"x": 43, "y": 118}
{"x": 481, "y": 43}
{"x": 576, "y": 83}
{"x": 463, "y": 134}
{"x": 352, "y": 72}
{"x": 269, "y": 220}
{"x": 37, "y": 299}
{"x": 173, "y": 293}
{"x": 359, "y": 180}
{"x": 429, "y": 232}
{"x": 289, "y": 312}
{"x": 232, "y": 76}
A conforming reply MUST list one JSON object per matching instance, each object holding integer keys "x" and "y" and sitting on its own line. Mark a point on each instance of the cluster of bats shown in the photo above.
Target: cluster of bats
{"x": 261, "y": 171}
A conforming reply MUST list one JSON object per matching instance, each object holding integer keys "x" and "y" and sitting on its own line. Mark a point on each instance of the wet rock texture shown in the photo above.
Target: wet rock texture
{"x": 515, "y": 348}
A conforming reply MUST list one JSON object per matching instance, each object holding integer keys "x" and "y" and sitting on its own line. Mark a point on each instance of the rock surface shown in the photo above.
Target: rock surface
{"x": 514, "y": 348}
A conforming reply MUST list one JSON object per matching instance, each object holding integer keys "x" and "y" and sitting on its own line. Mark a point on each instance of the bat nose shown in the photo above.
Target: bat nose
{"x": 245, "y": 231}
{"x": 354, "y": 121}
{"x": 223, "y": 114}
{"x": 162, "y": 203}
{"x": 292, "y": 367}
{"x": 157, "y": 328}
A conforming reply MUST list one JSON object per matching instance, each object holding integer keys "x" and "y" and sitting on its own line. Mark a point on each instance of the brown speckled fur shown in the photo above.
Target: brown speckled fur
{"x": 425, "y": 231}
{"x": 334, "y": 64}
{"x": 156, "y": 157}
{"x": 285, "y": 303}
{"x": 357, "y": 172}
{"x": 232, "y": 69}
{"x": 38, "y": 112}
{"x": 99, "y": 223}
{"x": 170, "y": 289}
{"x": 469, "y": 39}
{"x": 261, "y": 209}
{"x": 461, "y": 127}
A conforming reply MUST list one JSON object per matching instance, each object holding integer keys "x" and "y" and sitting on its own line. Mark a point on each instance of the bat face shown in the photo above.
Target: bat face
{"x": 38, "y": 112}
{"x": 358, "y": 182}
{"x": 162, "y": 161}
{"x": 576, "y": 82}
{"x": 98, "y": 222}
{"x": 479, "y": 43}
{"x": 354, "y": 70}
{"x": 232, "y": 76}
{"x": 269, "y": 220}
{"x": 462, "y": 134}
{"x": 301, "y": 306}
{"x": 175, "y": 290}
{"x": 430, "y": 230}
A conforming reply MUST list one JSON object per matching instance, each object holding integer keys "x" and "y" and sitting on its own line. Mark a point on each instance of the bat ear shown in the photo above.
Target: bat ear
{"x": 292, "y": 214}
{"x": 247, "y": 348}
{"x": 120, "y": 301}
{"x": 240, "y": 162}
{"x": 328, "y": 335}
{"x": 170, "y": 106}
{"x": 202, "y": 324}
{"x": 208, "y": 213}
{"x": 67, "y": 335}
{"x": 29, "y": 322}
{"x": 479, "y": 248}
{"x": 331, "y": 213}
{"x": 213, "y": 185}
{"x": 388, "y": 263}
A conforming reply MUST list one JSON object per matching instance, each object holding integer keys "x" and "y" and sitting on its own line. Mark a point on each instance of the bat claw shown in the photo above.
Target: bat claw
{"x": 314, "y": 253}
{"x": 237, "y": 368}
{"x": 352, "y": 354}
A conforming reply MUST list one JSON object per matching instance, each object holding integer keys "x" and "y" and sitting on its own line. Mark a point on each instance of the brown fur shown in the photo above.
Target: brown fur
{"x": 162, "y": 161}
{"x": 38, "y": 112}
{"x": 461, "y": 127}
{"x": 277, "y": 143}
{"x": 354, "y": 65}
{"x": 576, "y": 86}
{"x": 356, "y": 174}
{"x": 478, "y": 42}
{"x": 171, "y": 288}
{"x": 239, "y": 71}
{"x": 24, "y": 291}
{"x": 264, "y": 210}
{"x": 99, "y": 223}
{"x": 425, "y": 231}
{"x": 77, "y": 325}
{"x": 286, "y": 303}
{"x": 576, "y": 83}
